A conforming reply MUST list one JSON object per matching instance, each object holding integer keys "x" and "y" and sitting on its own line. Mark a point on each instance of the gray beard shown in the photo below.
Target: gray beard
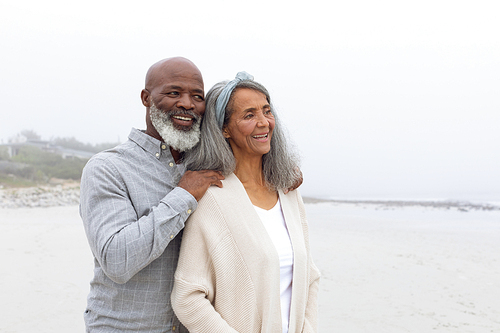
{"x": 178, "y": 139}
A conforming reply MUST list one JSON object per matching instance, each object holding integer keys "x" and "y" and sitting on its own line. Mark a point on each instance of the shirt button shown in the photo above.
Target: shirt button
{"x": 157, "y": 154}
{"x": 171, "y": 164}
{"x": 163, "y": 147}
{"x": 189, "y": 211}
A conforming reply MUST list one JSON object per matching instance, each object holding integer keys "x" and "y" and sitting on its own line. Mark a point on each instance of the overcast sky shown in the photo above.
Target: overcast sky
{"x": 384, "y": 99}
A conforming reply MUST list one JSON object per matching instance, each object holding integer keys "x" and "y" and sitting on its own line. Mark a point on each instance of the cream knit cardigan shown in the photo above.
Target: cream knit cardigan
{"x": 228, "y": 276}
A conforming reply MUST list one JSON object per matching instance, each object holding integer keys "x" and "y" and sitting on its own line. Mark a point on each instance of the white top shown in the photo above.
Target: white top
{"x": 274, "y": 222}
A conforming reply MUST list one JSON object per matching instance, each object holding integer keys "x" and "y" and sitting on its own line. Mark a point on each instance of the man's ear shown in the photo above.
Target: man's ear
{"x": 145, "y": 98}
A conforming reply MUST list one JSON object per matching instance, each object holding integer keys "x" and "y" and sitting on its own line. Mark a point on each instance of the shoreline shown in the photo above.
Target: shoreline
{"x": 460, "y": 205}
{"x": 68, "y": 193}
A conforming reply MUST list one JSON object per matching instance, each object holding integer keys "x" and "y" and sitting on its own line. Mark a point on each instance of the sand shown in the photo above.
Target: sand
{"x": 384, "y": 269}
{"x": 406, "y": 269}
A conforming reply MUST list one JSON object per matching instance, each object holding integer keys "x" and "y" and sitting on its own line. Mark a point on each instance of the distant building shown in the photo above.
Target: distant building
{"x": 19, "y": 141}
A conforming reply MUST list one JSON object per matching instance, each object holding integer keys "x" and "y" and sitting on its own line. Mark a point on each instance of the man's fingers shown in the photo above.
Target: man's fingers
{"x": 197, "y": 182}
{"x": 218, "y": 183}
{"x": 296, "y": 185}
{"x": 210, "y": 173}
{"x": 218, "y": 174}
{"x": 216, "y": 179}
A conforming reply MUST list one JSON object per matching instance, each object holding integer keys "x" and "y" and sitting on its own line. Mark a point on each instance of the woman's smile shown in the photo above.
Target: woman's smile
{"x": 261, "y": 137}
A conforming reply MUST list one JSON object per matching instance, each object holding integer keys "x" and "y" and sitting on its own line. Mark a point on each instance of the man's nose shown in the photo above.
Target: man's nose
{"x": 185, "y": 101}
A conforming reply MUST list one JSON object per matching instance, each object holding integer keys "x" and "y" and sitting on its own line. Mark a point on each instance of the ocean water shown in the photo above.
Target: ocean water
{"x": 472, "y": 198}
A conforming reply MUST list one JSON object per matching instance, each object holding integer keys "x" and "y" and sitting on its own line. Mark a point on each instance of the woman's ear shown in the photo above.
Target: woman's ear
{"x": 225, "y": 132}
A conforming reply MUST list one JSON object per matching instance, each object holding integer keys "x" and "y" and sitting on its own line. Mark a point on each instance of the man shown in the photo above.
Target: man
{"x": 135, "y": 199}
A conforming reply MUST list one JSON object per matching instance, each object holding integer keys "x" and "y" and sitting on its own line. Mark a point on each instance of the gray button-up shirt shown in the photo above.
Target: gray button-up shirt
{"x": 133, "y": 215}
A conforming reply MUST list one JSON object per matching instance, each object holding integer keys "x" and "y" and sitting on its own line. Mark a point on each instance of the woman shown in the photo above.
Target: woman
{"x": 245, "y": 264}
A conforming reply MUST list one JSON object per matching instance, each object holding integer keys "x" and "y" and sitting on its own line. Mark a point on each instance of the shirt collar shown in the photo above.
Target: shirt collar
{"x": 146, "y": 142}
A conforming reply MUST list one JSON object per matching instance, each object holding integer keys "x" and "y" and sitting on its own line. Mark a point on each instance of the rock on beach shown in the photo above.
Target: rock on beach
{"x": 41, "y": 196}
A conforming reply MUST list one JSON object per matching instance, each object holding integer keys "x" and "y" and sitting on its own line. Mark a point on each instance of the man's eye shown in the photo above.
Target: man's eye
{"x": 198, "y": 98}
{"x": 173, "y": 93}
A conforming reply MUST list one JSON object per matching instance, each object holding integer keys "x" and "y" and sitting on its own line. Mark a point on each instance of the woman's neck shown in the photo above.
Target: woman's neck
{"x": 251, "y": 175}
{"x": 249, "y": 171}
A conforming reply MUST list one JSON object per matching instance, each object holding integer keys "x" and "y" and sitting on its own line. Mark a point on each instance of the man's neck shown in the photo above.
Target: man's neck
{"x": 176, "y": 155}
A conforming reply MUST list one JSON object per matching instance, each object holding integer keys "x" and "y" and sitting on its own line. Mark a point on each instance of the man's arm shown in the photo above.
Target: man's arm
{"x": 122, "y": 242}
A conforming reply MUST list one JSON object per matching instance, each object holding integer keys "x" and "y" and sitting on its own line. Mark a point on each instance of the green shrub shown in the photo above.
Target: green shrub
{"x": 4, "y": 155}
{"x": 42, "y": 165}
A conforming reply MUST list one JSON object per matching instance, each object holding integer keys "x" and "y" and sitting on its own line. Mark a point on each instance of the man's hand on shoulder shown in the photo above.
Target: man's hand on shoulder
{"x": 198, "y": 182}
{"x": 297, "y": 183}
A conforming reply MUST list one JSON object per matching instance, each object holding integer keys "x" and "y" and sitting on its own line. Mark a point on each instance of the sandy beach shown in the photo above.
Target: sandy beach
{"x": 406, "y": 269}
{"x": 384, "y": 268}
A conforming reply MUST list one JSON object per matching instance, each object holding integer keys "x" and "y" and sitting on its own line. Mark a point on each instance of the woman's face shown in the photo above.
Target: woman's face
{"x": 251, "y": 124}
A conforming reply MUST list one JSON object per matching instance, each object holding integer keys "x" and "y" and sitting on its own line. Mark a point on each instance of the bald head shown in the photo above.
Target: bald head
{"x": 159, "y": 71}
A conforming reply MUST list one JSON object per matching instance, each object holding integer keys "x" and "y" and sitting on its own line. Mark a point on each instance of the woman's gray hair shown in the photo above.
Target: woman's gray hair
{"x": 213, "y": 152}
